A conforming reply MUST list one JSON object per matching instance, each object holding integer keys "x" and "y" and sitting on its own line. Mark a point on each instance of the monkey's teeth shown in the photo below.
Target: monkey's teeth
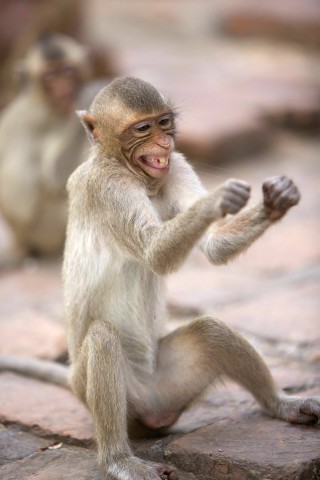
{"x": 155, "y": 162}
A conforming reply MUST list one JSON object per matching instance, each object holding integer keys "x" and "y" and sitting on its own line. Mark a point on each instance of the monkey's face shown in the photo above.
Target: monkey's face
{"x": 149, "y": 143}
{"x": 61, "y": 83}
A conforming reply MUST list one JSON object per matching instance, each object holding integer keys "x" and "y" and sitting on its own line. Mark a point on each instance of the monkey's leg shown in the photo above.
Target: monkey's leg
{"x": 195, "y": 355}
{"x": 99, "y": 379}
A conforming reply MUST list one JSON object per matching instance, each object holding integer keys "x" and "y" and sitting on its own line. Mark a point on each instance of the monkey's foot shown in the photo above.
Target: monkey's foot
{"x": 137, "y": 469}
{"x": 300, "y": 410}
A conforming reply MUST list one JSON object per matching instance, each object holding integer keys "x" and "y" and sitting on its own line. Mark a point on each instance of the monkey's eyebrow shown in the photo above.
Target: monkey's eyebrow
{"x": 165, "y": 118}
{"x": 151, "y": 118}
{"x": 144, "y": 125}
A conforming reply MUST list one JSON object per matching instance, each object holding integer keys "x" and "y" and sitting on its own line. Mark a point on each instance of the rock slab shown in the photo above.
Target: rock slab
{"x": 249, "y": 448}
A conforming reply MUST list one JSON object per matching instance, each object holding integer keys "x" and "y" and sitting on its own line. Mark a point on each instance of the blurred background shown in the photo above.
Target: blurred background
{"x": 232, "y": 67}
{"x": 244, "y": 76}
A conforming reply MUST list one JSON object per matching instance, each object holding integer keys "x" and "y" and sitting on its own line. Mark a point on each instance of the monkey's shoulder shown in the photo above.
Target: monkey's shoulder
{"x": 182, "y": 175}
{"x": 181, "y": 167}
{"x": 105, "y": 176}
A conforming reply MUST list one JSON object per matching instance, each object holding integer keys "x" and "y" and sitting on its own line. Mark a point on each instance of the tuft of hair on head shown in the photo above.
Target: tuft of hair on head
{"x": 49, "y": 48}
{"x": 137, "y": 94}
{"x": 133, "y": 94}
{"x": 55, "y": 48}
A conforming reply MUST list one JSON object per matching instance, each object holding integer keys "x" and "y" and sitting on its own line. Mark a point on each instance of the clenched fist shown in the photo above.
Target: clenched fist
{"x": 279, "y": 194}
{"x": 234, "y": 195}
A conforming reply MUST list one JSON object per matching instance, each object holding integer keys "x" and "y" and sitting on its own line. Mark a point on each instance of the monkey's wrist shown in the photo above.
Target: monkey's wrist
{"x": 216, "y": 207}
{"x": 208, "y": 208}
{"x": 271, "y": 213}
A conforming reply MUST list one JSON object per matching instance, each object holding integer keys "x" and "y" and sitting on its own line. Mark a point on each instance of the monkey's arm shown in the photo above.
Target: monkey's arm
{"x": 231, "y": 236}
{"x": 164, "y": 246}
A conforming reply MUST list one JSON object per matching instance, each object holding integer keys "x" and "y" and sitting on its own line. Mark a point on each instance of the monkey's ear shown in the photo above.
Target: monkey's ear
{"x": 89, "y": 124}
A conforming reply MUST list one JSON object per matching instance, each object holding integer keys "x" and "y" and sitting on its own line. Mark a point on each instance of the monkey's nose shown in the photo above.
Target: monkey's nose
{"x": 164, "y": 144}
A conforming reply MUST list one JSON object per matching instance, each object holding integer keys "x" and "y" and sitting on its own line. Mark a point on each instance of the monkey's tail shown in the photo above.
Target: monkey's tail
{"x": 45, "y": 370}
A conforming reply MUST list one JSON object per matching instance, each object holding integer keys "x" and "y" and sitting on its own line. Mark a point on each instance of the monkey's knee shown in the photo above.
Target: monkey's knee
{"x": 102, "y": 337}
{"x": 215, "y": 337}
{"x": 106, "y": 363}
{"x": 212, "y": 327}
{"x": 101, "y": 344}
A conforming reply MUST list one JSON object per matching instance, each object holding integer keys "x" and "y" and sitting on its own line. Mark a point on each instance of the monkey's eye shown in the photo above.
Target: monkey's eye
{"x": 165, "y": 121}
{"x": 143, "y": 126}
{"x": 67, "y": 71}
{"x": 49, "y": 75}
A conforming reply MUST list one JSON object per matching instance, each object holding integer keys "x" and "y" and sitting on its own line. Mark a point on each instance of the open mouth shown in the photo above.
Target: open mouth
{"x": 154, "y": 161}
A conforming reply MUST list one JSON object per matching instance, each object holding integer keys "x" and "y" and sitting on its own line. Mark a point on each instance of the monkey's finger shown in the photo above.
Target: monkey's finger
{"x": 166, "y": 471}
{"x": 238, "y": 185}
{"x": 169, "y": 476}
{"x": 283, "y": 203}
{"x": 274, "y": 187}
{"x": 281, "y": 187}
{"x": 287, "y": 199}
{"x": 232, "y": 206}
{"x": 236, "y": 194}
{"x": 273, "y": 184}
{"x": 241, "y": 183}
{"x": 268, "y": 185}
{"x": 236, "y": 198}
{"x": 173, "y": 476}
{"x": 311, "y": 406}
{"x": 240, "y": 191}
{"x": 302, "y": 418}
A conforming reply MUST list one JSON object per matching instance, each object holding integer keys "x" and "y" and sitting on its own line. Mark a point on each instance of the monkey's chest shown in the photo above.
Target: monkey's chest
{"x": 165, "y": 209}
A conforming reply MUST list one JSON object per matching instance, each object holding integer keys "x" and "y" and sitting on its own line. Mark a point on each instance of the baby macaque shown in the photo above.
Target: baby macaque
{"x": 136, "y": 209}
{"x": 40, "y": 145}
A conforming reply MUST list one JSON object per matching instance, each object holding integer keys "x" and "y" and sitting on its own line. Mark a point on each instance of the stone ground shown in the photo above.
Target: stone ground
{"x": 232, "y": 103}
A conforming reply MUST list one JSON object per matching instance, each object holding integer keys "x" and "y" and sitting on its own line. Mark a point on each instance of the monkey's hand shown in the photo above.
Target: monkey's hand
{"x": 233, "y": 196}
{"x": 279, "y": 194}
{"x": 301, "y": 410}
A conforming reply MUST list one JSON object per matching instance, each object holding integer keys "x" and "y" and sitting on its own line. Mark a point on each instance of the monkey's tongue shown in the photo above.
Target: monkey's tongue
{"x": 155, "y": 162}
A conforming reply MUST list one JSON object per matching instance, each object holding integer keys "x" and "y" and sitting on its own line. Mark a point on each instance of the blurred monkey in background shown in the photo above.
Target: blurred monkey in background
{"x": 41, "y": 143}
{"x": 23, "y": 22}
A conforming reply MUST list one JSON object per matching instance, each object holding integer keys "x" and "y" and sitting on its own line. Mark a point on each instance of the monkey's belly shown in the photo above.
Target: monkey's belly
{"x": 138, "y": 338}
{"x": 134, "y": 304}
